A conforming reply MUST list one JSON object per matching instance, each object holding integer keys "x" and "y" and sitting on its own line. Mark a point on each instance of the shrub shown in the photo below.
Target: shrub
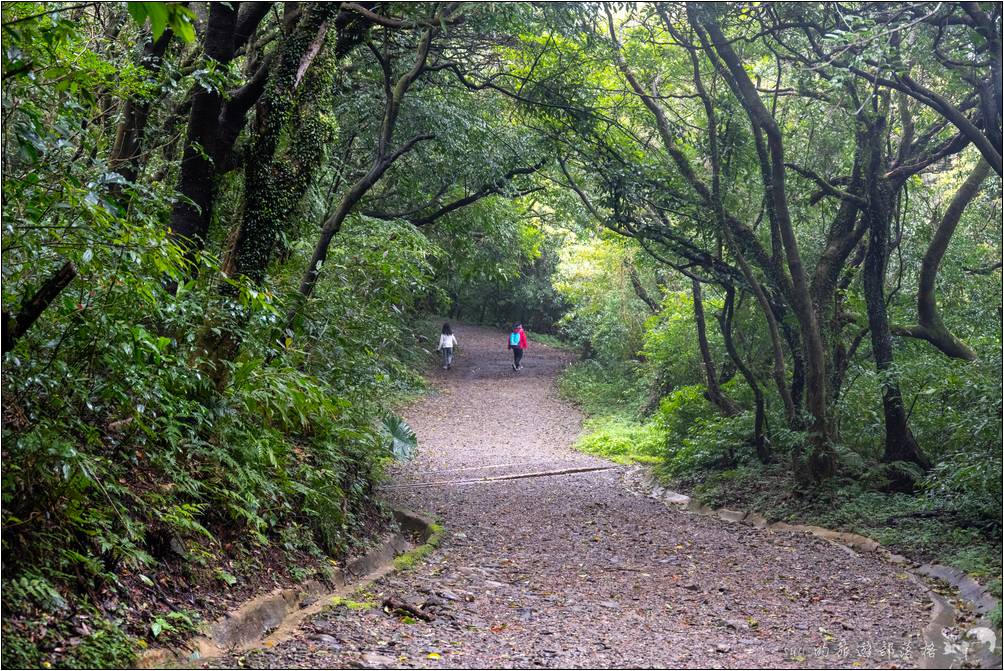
{"x": 602, "y": 389}
{"x": 714, "y": 442}
{"x": 679, "y": 411}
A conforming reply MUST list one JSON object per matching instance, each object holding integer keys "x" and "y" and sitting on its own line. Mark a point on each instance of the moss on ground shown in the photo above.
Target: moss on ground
{"x": 411, "y": 558}
{"x": 351, "y": 604}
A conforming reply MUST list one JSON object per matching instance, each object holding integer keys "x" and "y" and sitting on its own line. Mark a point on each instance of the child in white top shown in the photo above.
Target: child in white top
{"x": 447, "y": 341}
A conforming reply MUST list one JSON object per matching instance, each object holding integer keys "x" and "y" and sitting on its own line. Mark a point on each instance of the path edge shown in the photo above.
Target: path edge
{"x": 270, "y": 618}
{"x": 943, "y": 613}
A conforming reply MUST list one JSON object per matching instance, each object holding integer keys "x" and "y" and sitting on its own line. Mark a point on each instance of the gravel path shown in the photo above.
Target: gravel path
{"x": 574, "y": 570}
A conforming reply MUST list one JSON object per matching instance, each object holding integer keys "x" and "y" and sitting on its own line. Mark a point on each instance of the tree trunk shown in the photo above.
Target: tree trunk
{"x": 900, "y": 444}
{"x": 797, "y": 389}
{"x": 639, "y": 289}
{"x": 293, "y": 106}
{"x": 777, "y": 349}
{"x": 291, "y": 114}
{"x": 213, "y": 126}
{"x": 822, "y": 461}
{"x": 725, "y": 321}
{"x": 841, "y": 355}
{"x": 125, "y": 155}
{"x": 193, "y": 212}
{"x": 15, "y": 326}
{"x": 714, "y": 393}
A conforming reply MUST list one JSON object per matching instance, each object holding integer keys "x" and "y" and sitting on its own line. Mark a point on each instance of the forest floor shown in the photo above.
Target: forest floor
{"x": 575, "y": 570}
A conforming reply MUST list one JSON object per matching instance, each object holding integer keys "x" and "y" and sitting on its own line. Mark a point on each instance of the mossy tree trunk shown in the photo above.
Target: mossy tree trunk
{"x": 214, "y": 124}
{"x": 287, "y": 149}
{"x": 288, "y": 145}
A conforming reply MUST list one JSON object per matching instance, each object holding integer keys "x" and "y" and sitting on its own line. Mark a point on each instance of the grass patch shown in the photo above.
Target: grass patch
{"x": 411, "y": 558}
{"x": 623, "y": 440}
{"x": 614, "y": 398}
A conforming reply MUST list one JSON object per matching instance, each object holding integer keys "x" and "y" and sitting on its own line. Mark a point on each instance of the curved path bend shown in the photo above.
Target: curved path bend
{"x": 573, "y": 570}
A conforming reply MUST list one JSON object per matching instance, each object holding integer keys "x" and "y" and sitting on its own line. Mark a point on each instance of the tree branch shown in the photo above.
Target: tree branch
{"x": 827, "y": 187}
{"x": 391, "y": 22}
{"x": 249, "y": 16}
{"x": 32, "y": 308}
{"x": 931, "y": 326}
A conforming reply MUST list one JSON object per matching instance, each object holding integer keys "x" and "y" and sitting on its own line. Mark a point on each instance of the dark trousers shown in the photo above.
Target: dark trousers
{"x": 517, "y": 356}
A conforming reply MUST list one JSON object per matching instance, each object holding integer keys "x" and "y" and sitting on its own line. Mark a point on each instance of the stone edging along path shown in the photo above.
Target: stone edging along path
{"x": 943, "y": 614}
{"x": 274, "y": 617}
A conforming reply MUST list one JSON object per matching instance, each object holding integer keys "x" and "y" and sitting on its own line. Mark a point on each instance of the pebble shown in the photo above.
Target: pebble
{"x": 372, "y": 660}
{"x": 326, "y": 640}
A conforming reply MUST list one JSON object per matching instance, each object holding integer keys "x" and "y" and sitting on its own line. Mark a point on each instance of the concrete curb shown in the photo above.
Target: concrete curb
{"x": 268, "y": 619}
{"x": 943, "y": 613}
{"x": 413, "y": 523}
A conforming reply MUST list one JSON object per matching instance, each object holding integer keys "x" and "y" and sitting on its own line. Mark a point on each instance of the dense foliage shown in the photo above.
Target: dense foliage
{"x": 772, "y": 230}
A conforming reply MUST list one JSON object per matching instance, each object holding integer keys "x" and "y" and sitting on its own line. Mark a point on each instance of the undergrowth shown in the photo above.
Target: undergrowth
{"x": 131, "y": 483}
{"x": 601, "y": 389}
{"x": 547, "y": 339}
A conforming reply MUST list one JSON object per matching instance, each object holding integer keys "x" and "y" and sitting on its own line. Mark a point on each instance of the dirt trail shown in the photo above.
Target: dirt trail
{"x": 574, "y": 570}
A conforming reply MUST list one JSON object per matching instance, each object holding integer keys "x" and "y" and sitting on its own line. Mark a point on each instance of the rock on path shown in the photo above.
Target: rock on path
{"x": 575, "y": 571}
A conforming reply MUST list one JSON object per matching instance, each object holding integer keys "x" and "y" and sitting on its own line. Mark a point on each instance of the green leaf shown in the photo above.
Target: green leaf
{"x": 401, "y": 438}
{"x": 157, "y": 11}
{"x": 182, "y": 23}
{"x": 137, "y": 10}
